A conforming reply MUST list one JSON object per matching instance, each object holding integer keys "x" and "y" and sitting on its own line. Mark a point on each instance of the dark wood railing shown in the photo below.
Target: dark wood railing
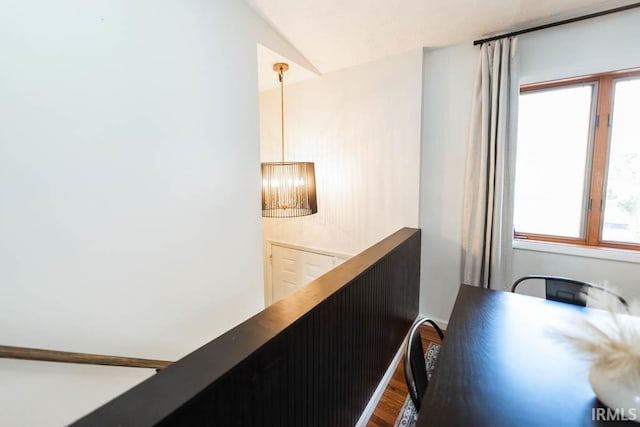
{"x": 311, "y": 359}
{"x": 26, "y": 353}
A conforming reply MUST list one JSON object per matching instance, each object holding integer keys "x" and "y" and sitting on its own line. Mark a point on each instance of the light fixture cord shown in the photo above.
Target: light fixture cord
{"x": 281, "y": 78}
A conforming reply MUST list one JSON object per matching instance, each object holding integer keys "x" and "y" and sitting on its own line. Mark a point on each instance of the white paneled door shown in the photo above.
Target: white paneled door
{"x": 293, "y": 268}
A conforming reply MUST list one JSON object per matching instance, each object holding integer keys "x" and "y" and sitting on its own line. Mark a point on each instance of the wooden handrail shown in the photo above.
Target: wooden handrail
{"x": 25, "y": 353}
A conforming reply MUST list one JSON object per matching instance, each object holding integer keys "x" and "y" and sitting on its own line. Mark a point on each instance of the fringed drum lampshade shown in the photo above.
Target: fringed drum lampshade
{"x": 288, "y": 188}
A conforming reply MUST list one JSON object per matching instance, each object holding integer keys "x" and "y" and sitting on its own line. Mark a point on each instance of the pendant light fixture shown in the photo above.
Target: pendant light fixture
{"x": 288, "y": 188}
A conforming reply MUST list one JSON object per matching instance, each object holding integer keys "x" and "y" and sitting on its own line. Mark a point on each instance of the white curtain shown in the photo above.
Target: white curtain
{"x": 487, "y": 229}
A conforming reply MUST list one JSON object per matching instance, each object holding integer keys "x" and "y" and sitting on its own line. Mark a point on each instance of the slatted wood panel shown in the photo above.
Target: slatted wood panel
{"x": 312, "y": 359}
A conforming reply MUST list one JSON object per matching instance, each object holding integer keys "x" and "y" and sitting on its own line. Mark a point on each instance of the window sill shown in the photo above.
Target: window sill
{"x": 581, "y": 251}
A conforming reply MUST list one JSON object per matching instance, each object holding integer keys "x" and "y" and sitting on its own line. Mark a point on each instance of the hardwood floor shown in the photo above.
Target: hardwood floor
{"x": 394, "y": 395}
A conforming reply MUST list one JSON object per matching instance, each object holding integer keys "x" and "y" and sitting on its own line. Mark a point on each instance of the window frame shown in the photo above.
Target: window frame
{"x": 597, "y": 157}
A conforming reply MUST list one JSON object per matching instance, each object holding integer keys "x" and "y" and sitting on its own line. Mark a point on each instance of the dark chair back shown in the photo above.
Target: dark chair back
{"x": 415, "y": 368}
{"x": 567, "y": 290}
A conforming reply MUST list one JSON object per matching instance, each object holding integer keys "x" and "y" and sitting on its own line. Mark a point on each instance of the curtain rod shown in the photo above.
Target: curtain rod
{"x": 555, "y": 24}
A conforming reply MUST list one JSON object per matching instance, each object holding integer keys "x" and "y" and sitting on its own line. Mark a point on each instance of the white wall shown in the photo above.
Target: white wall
{"x": 129, "y": 188}
{"x": 449, "y": 75}
{"x": 361, "y": 127}
{"x": 621, "y": 275}
{"x": 596, "y": 45}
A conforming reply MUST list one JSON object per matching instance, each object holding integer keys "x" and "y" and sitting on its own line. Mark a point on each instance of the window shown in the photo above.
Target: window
{"x": 578, "y": 161}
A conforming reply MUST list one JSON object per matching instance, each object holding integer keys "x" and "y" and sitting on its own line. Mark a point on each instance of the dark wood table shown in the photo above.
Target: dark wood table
{"x": 499, "y": 366}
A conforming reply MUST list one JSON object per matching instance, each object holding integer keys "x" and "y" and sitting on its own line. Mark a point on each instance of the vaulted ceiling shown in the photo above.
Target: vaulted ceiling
{"x": 335, "y": 34}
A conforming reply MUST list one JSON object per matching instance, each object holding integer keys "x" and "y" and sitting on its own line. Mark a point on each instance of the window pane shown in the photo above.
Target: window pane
{"x": 553, "y": 147}
{"x": 622, "y": 203}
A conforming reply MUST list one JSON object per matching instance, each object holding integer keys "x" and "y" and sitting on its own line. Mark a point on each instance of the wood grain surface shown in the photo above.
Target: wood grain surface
{"x": 500, "y": 365}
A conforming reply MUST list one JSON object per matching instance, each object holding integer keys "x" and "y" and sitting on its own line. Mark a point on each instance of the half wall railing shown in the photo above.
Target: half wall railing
{"x": 311, "y": 359}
